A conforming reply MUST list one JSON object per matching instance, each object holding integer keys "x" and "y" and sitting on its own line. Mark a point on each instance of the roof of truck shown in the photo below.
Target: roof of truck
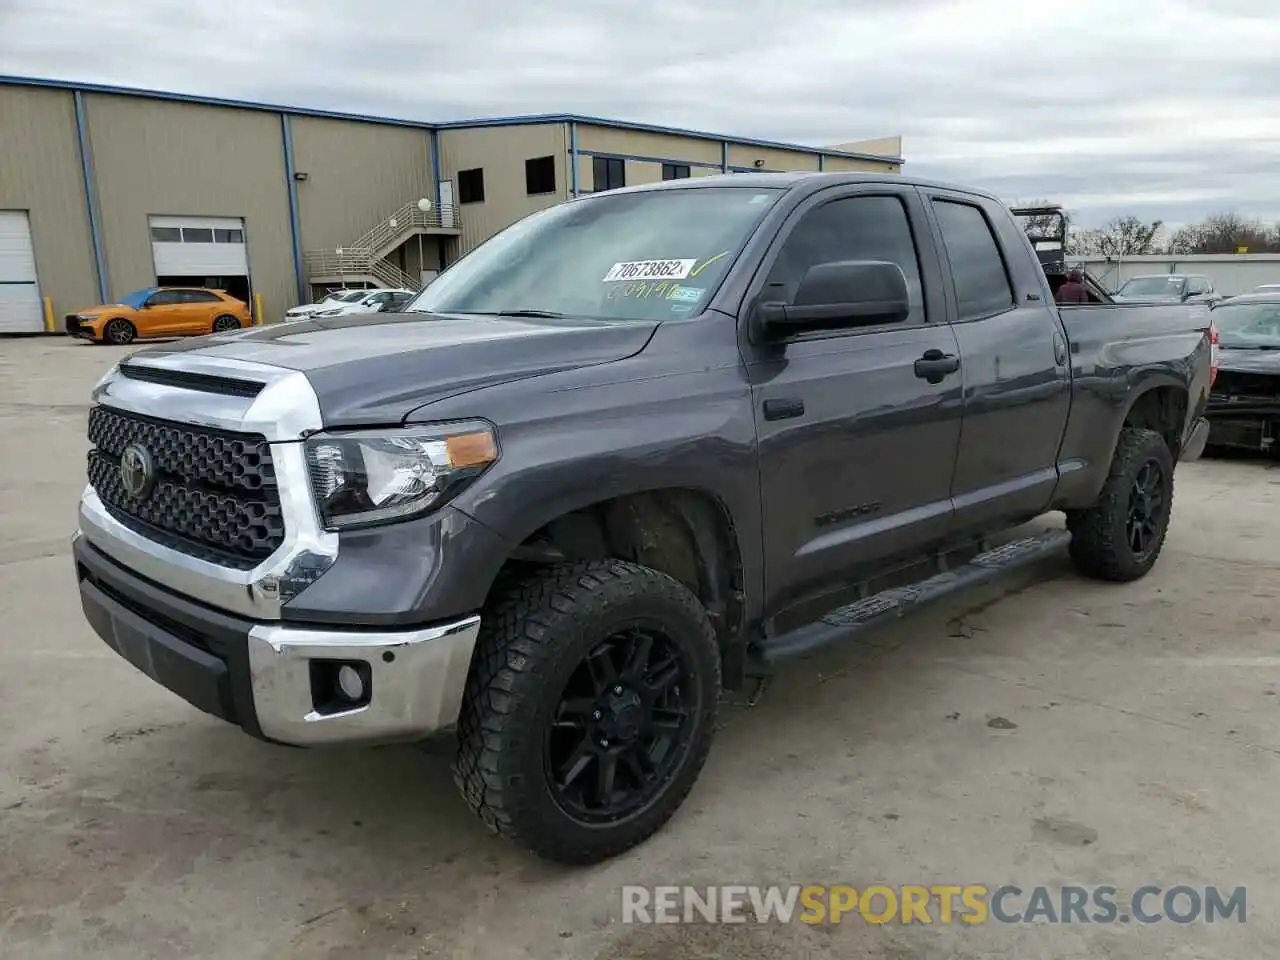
{"x": 786, "y": 181}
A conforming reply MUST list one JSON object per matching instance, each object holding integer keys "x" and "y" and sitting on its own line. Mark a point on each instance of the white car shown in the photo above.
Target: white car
{"x": 330, "y": 300}
{"x": 373, "y": 301}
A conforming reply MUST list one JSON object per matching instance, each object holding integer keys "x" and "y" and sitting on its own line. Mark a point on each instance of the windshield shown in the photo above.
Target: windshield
{"x": 1153, "y": 287}
{"x": 1244, "y": 325}
{"x": 137, "y": 298}
{"x": 649, "y": 255}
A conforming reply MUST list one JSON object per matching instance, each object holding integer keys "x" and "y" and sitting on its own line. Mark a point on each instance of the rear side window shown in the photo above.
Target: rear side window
{"x": 856, "y": 228}
{"x": 977, "y": 269}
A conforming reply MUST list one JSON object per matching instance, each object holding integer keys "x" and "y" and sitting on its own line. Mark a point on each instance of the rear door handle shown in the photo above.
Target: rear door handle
{"x": 935, "y": 365}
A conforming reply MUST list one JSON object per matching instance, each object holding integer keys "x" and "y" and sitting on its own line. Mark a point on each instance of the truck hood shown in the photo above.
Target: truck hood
{"x": 373, "y": 369}
{"x": 1249, "y": 361}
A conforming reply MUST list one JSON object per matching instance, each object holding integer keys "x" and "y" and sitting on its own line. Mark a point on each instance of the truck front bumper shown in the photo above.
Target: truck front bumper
{"x": 277, "y": 681}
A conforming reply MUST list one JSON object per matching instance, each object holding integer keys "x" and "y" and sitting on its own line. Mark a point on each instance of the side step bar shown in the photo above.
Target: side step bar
{"x": 845, "y": 622}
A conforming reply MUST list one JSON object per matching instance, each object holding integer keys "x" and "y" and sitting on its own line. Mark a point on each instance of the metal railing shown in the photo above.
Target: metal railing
{"x": 394, "y": 229}
{"x": 357, "y": 262}
{"x": 364, "y": 257}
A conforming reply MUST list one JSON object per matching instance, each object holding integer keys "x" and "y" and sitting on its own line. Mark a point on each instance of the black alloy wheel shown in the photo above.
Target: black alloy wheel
{"x": 1147, "y": 506}
{"x": 621, "y": 726}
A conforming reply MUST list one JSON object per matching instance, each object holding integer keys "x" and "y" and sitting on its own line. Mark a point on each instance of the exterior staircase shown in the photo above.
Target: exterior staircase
{"x": 365, "y": 260}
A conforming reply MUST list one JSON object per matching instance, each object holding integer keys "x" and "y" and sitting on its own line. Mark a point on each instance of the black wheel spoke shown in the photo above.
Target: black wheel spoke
{"x": 606, "y": 773}
{"x": 574, "y": 713}
{"x": 638, "y": 657}
{"x": 668, "y": 719}
{"x": 601, "y": 666}
{"x": 577, "y": 762}
{"x": 638, "y": 765}
{"x": 664, "y": 676}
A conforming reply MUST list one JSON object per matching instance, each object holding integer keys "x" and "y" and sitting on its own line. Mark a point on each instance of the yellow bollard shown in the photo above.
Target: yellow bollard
{"x": 257, "y": 314}
{"x": 48, "y": 316}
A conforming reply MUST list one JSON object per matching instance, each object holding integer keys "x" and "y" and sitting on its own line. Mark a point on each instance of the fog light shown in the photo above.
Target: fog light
{"x": 350, "y": 683}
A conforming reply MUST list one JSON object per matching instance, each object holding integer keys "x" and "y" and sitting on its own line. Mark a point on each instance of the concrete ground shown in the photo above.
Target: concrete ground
{"x": 1049, "y": 730}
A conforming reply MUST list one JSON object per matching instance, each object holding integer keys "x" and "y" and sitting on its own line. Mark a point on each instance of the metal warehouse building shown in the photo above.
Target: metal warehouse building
{"x": 106, "y": 190}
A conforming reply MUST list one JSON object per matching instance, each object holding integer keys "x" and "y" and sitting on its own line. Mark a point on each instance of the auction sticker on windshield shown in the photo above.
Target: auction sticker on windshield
{"x": 649, "y": 270}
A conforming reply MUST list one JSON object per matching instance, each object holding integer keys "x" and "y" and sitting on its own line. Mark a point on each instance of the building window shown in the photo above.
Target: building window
{"x": 197, "y": 235}
{"x": 166, "y": 235}
{"x": 471, "y": 185}
{"x": 540, "y": 175}
{"x": 228, "y": 236}
{"x": 675, "y": 171}
{"x": 608, "y": 173}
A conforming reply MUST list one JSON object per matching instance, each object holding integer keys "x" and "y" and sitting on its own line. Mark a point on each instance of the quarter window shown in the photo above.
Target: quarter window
{"x": 199, "y": 296}
{"x": 977, "y": 269}
{"x": 856, "y": 228}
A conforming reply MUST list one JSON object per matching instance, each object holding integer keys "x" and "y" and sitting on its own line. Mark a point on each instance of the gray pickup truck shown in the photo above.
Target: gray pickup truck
{"x": 627, "y": 454}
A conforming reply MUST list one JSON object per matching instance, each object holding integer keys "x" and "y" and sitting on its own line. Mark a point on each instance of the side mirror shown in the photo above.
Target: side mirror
{"x": 836, "y": 296}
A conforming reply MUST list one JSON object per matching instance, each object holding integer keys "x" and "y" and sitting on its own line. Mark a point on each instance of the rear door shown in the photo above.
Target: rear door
{"x": 1014, "y": 355}
{"x": 199, "y": 307}
{"x": 856, "y": 446}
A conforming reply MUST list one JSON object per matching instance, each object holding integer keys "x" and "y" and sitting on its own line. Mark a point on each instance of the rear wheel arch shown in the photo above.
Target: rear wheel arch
{"x": 1162, "y": 408}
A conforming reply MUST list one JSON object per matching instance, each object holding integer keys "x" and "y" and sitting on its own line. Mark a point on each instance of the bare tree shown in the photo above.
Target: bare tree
{"x": 1124, "y": 236}
{"x": 1225, "y": 233}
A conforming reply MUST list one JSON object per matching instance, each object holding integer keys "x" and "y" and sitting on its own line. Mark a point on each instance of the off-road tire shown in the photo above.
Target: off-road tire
{"x": 225, "y": 323}
{"x": 531, "y": 639}
{"x": 1099, "y": 544}
{"x": 125, "y": 332}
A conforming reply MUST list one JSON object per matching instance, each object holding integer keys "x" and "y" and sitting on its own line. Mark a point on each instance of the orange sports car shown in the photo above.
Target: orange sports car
{"x": 160, "y": 312}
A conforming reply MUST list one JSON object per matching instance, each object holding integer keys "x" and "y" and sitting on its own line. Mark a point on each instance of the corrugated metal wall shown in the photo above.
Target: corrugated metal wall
{"x": 845, "y": 165}
{"x": 40, "y": 172}
{"x": 356, "y": 173}
{"x": 642, "y": 143}
{"x": 1231, "y": 275}
{"x": 745, "y": 155}
{"x": 155, "y": 157}
{"x": 501, "y": 153}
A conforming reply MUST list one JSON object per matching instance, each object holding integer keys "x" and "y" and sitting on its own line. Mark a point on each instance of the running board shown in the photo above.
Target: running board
{"x": 845, "y": 622}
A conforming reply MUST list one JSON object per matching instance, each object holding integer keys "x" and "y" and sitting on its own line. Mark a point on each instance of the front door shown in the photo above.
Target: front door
{"x": 857, "y": 447}
{"x": 1017, "y": 386}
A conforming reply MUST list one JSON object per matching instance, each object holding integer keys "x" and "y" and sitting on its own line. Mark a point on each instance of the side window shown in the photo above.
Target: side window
{"x": 165, "y": 298}
{"x": 1197, "y": 286}
{"x": 857, "y": 228}
{"x": 977, "y": 269}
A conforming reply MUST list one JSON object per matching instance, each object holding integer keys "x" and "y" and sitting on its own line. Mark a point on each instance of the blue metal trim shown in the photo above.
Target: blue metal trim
{"x": 724, "y": 156}
{"x": 91, "y": 197}
{"x": 295, "y": 225}
{"x": 435, "y": 166}
{"x": 573, "y": 157}
{"x": 519, "y": 120}
{"x": 640, "y": 158}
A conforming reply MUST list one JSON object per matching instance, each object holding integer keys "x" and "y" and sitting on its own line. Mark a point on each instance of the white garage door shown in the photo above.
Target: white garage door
{"x": 199, "y": 246}
{"x": 20, "y": 310}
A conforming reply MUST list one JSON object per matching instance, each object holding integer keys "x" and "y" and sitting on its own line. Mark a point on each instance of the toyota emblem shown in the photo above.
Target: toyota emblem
{"x": 137, "y": 471}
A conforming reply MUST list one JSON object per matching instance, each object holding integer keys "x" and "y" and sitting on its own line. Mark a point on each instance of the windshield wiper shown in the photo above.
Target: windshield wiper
{"x": 536, "y": 314}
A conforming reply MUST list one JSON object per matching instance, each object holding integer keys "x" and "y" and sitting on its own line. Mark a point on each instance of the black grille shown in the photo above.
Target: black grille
{"x": 214, "y": 496}
{"x": 1232, "y": 383}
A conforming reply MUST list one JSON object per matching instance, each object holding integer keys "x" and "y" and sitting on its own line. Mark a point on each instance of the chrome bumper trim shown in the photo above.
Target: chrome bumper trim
{"x": 418, "y": 679}
{"x": 285, "y": 411}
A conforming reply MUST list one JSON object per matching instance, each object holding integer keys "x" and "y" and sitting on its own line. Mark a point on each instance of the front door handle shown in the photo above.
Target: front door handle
{"x": 935, "y": 365}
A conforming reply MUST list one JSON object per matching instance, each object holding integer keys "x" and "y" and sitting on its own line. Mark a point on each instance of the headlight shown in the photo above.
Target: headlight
{"x": 379, "y": 476}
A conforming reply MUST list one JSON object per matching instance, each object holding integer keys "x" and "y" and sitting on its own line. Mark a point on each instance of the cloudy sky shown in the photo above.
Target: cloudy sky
{"x": 1163, "y": 108}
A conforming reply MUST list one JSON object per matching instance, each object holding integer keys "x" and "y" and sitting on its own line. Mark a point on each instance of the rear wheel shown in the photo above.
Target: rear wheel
{"x": 118, "y": 331}
{"x": 590, "y": 709}
{"x": 1120, "y": 537}
{"x": 224, "y": 323}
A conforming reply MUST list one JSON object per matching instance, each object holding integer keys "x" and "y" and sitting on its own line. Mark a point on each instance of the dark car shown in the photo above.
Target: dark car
{"x": 1244, "y": 406}
{"x": 630, "y": 452}
{"x": 1167, "y": 288}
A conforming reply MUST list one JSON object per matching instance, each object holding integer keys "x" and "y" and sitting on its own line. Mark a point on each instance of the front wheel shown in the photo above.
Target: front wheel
{"x": 119, "y": 331}
{"x": 589, "y": 710}
{"x": 1119, "y": 538}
